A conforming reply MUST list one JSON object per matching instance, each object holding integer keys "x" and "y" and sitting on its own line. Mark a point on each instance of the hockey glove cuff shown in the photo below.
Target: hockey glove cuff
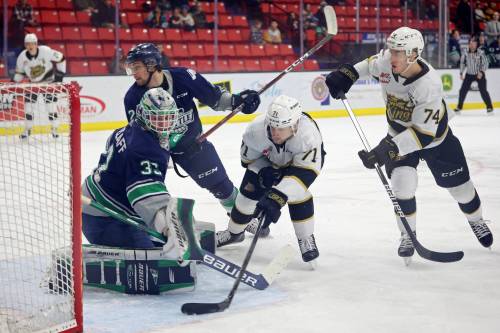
{"x": 383, "y": 153}
{"x": 269, "y": 177}
{"x": 250, "y": 100}
{"x": 58, "y": 76}
{"x": 340, "y": 81}
{"x": 270, "y": 205}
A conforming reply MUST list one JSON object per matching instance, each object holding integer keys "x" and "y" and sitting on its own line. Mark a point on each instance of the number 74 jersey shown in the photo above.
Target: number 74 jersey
{"x": 303, "y": 151}
{"x": 415, "y": 110}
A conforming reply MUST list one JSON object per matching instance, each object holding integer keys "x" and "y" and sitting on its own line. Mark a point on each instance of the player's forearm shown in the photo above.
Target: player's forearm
{"x": 363, "y": 68}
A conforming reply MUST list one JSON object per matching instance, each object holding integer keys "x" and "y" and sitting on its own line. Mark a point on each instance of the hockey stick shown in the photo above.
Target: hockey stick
{"x": 204, "y": 308}
{"x": 257, "y": 281}
{"x": 331, "y": 24}
{"x": 421, "y": 250}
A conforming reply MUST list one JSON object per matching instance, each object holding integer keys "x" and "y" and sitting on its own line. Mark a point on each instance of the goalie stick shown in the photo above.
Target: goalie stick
{"x": 421, "y": 250}
{"x": 257, "y": 281}
{"x": 331, "y": 30}
{"x": 204, "y": 308}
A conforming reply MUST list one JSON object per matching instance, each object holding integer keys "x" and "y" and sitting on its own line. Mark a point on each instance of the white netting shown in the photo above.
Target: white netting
{"x": 36, "y": 282}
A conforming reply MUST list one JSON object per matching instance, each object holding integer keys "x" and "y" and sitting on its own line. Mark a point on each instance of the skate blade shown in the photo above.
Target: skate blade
{"x": 407, "y": 261}
{"x": 313, "y": 264}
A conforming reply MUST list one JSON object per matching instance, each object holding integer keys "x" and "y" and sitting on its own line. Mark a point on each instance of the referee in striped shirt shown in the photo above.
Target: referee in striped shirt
{"x": 476, "y": 63}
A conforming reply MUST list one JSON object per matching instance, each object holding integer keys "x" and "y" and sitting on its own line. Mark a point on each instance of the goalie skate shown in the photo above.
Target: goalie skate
{"x": 482, "y": 232}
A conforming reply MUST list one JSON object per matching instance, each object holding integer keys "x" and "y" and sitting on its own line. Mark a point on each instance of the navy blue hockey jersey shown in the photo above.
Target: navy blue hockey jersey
{"x": 184, "y": 85}
{"x": 130, "y": 177}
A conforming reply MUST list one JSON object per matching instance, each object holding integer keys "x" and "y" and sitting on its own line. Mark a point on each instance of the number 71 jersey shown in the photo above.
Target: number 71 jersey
{"x": 303, "y": 150}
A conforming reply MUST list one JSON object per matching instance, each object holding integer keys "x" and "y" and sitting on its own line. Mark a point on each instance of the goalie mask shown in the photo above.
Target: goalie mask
{"x": 158, "y": 112}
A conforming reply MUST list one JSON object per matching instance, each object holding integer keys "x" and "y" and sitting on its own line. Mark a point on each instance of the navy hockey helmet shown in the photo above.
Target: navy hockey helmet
{"x": 146, "y": 53}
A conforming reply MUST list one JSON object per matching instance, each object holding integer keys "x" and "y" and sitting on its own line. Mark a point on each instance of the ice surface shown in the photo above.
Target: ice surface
{"x": 360, "y": 285}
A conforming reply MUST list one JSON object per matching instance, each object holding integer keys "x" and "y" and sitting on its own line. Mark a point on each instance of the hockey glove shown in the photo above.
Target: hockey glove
{"x": 270, "y": 205}
{"x": 340, "y": 81}
{"x": 385, "y": 152}
{"x": 250, "y": 100}
{"x": 58, "y": 76}
{"x": 269, "y": 176}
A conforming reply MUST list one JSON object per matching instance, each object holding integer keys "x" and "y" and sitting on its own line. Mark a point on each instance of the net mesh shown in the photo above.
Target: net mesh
{"x": 36, "y": 245}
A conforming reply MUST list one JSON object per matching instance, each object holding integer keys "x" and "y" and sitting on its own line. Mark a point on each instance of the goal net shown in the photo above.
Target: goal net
{"x": 40, "y": 213}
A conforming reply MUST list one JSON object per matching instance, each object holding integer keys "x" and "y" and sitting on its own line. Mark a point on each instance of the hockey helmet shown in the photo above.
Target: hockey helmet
{"x": 30, "y": 38}
{"x": 406, "y": 39}
{"x": 158, "y": 112}
{"x": 146, "y": 53}
{"x": 283, "y": 112}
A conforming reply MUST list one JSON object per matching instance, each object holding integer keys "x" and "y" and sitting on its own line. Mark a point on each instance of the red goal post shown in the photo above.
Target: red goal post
{"x": 40, "y": 209}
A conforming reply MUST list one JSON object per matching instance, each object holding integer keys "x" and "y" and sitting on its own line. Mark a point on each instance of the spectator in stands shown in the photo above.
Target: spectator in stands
{"x": 165, "y": 61}
{"x": 463, "y": 16}
{"x": 121, "y": 63}
{"x": 104, "y": 16}
{"x": 492, "y": 29}
{"x": 494, "y": 52}
{"x": 310, "y": 21}
{"x": 175, "y": 20}
{"x": 294, "y": 25}
{"x": 85, "y": 5}
{"x": 490, "y": 9}
{"x": 481, "y": 44}
{"x": 454, "y": 51}
{"x": 273, "y": 34}
{"x": 199, "y": 17}
{"x": 431, "y": 12}
{"x": 23, "y": 15}
{"x": 187, "y": 20}
{"x": 320, "y": 17}
{"x": 164, "y": 4}
{"x": 256, "y": 35}
{"x": 179, "y": 3}
{"x": 156, "y": 18}
{"x": 479, "y": 13}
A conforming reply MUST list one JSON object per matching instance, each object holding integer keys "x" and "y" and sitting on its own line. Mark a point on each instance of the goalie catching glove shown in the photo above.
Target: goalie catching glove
{"x": 386, "y": 151}
{"x": 270, "y": 205}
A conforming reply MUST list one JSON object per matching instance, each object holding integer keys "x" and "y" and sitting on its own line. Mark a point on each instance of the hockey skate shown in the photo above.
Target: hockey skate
{"x": 226, "y": 237}
{"x": 24, "y": 135}
{"x": 252, "y": 228}
{"x": 406, "y": 249}
{"x": 309, "y": 250}
{"x": 482, "y": 232}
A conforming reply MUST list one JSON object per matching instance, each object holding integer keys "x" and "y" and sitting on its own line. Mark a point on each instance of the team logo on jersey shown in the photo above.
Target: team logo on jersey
{"x": 399, "y": 109}
{"x": 37, "y": 71}
{"x": 266, "y": 152}
{"x": 185, "y": 118}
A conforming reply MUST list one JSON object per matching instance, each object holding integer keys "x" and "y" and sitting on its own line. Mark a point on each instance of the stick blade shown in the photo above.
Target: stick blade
{"x": 204, "y": 308}
{"x": 331, "y": 20}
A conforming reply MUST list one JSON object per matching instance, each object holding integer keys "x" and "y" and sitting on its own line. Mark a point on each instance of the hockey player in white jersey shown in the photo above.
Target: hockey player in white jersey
{"x": 418, "y": 129}
{"x": 40, "y": 64}
{"x": 283, "y": 154}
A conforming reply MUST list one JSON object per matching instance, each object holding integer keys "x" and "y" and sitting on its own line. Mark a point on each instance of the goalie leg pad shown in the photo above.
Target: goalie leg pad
{"x": 139, "y": 271}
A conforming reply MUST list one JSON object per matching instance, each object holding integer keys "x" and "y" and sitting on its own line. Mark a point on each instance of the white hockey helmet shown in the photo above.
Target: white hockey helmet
{"x": 30, "y": 38}
{"x": 283, "y": 112}
{"x": 158, "y": 112}
{"x": 406, "y": 39}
